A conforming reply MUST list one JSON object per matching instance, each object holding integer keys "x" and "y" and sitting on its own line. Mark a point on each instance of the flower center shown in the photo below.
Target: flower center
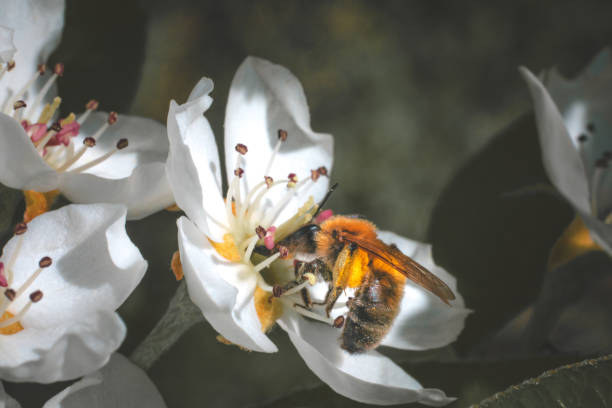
{"x": 251, "y": 221}
{"x": 10, "y": 318}
{"x": 53, "y": 139}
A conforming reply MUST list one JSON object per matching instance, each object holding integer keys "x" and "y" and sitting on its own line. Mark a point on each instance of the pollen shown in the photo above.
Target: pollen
{"x": 176, "y": 266}
{"x": 37, "y": 203}
{"x": 269, "y": 309}
{"x": 11, "y": 328}
{"x": 227, "y": 249}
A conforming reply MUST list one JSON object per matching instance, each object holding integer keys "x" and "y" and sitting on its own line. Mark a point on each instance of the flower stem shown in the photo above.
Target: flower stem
{"x": 180, "y": 316}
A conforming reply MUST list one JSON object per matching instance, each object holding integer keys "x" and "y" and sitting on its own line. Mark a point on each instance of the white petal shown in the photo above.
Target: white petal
{"x": 95, "y": 265}
{"x": 559, "y": 152}
{"x": 369, "y": 378}
{"x": 424, "y": 321}
{"x": 264, "y": 98}
{"x": 229, "y": 309}
{"x": 7, "y": 47}
{"x": 62, "y": 352}
{"x": 119, "y": 384}
{"x": 193, "y": 167}
{"x": 134, "y": 176}
{"x": 585, "y": 101}
{"x": 38, "y": 27}
{"x": 20, "y": 166}
{"x": 6, "y": 401}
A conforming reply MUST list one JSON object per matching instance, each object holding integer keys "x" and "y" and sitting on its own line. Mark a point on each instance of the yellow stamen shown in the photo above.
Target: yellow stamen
{"x": 173, "y": 208}
{"x": 227, "y": 249}
{"x": 49, "y": 110}
{"x": 574, "y": 241}
{"x": 303, "y": 217}
{"x": 177, "y": 266}
{"x": 268, "y": 308}
{"x": 68, "y": 119}
{"x": 11, "y": 328}
{"x": 38, "y": 203}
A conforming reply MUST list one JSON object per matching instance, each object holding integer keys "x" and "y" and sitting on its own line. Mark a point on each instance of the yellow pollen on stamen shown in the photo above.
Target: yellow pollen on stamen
{"x": 177, "y": 266}
{"x": 574, "y": 241}
{"x": 301, "y": 218}
{"x": 68, "y": 119}
{"x": 227, "y": 249}
{"x": 49, "y": 110}
{"x": 11, "y": 328}
{"x": 269, "y": 308}
{"x": 37, "y": 203}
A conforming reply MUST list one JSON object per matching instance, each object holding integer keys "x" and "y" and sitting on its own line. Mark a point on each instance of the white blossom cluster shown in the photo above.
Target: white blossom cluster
{"x": 64, "y": 274}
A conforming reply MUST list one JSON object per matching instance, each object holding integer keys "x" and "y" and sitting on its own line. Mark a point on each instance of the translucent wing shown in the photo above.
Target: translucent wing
{"x": 403, "y": 264}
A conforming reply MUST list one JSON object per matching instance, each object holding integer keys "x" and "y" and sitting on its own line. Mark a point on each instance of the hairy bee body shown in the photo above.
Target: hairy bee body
{"x": 348, "y": 254}
{"x": 372, "y": 311}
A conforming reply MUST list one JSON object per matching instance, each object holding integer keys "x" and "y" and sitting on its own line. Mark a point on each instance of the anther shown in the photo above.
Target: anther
{"x": 242, "y": 149}
{"x": 282, "y": 135}
{"x": 260, "y": 231}
{"x": 238, "y": 172}
{"x": 591, "y": 127}
{"x": 10, "y": 294}
{"x": 10, "y": 65}
{"x": 322, "y": 170}
{"x": 283, "y": 251}
{"x": 582, "y": 138}
{"x": 269, "y": 180}
{"x": 45, "y": 262}
{"x": 93, "y": 105}
{"x": 602, "y": 163}
{"x": 3, "y": 281}
{"x": 122, "y": 144}
{"x": 89, "y": 142}
{"x": 314, "y": 175}
{"x": 19, "y": 104}
{"x": 292, "y": 177}
{"x": 36, "y": 296}
{"x": 339, "y": 322}
{"x": 21, "y": 228}
{"x": 112, "y": 118}
{"x": 269, "y": 238}
{"x": 58, "y": 69}
{"x": 41, "y": 69}
{"x": 277, "y": 291}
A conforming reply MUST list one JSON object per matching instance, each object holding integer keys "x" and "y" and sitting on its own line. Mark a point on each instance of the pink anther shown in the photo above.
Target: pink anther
{"x": 323, "y": 215}
{"x": 63, "y": 136}
{"x": 269, "y": 238}
{"x": 3, "y": 281}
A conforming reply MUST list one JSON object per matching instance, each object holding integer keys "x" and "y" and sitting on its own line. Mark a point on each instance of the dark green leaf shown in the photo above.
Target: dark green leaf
{"x": 584, "y": 384}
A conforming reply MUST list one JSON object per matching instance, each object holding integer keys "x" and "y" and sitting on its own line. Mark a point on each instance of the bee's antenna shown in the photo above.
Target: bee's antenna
{"x": 324, "y": 200}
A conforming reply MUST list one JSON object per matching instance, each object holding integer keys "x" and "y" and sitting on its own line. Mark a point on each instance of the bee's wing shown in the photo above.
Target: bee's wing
{"x": 405, "y": 265}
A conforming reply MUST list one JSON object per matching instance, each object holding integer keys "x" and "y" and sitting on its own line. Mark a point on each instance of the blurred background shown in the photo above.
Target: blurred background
{"x": 433, "y": 137}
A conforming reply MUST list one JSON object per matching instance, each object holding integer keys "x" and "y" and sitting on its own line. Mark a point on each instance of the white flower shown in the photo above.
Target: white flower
{"x": 119, "y": 384}
{"x": 573, "y": 119}
{"x": 83, "y": 156}
{"x": 62, "y": 277}
{"x": 216, "y": 241}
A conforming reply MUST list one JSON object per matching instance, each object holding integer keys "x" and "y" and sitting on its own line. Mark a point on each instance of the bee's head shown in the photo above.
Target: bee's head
{"x": 302, "y": 240}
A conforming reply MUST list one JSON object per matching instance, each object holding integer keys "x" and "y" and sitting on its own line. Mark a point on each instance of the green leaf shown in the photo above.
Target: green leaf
{"x": 584, "y": 384}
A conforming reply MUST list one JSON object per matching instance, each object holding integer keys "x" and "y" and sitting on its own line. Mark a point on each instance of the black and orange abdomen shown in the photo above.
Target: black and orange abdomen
{"x": 372, "y": 309}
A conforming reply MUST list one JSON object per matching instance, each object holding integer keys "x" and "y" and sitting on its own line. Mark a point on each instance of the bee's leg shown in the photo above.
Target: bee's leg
{"x": 299, "y": 271}
{"x": 332, "y": 296}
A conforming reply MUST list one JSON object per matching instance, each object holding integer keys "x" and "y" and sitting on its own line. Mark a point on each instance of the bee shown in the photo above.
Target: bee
{"x": 346, "y": 252}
